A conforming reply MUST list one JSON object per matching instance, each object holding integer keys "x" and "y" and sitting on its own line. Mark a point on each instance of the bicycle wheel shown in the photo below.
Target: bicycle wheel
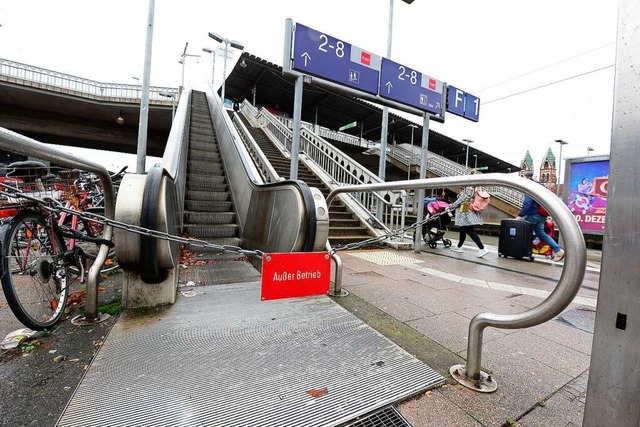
{"x": 34, "y": 278}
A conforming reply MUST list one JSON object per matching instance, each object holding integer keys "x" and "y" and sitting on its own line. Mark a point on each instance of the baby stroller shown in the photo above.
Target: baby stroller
{"x": 434, "y": 229}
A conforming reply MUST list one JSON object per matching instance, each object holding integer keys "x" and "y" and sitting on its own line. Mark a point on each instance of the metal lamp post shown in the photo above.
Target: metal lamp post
{"x": 173, "y": 102}
{"x": 213, "y": 61}
{"x": 385, "y": 109}
{"x": 235, "y": 44}
{"x": 561, "y": 142}
{"x": 589, "y": 150}
{"x": 466, "y": 161}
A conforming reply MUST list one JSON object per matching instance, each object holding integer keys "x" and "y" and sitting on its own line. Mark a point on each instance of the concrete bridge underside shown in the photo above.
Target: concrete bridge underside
{"x": 66, "y": 119}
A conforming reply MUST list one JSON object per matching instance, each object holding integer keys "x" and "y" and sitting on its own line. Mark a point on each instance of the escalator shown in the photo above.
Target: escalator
{"x": 209, "y": 212}
{"x": 221, "y": 355}
{"x": 344, "y": 226}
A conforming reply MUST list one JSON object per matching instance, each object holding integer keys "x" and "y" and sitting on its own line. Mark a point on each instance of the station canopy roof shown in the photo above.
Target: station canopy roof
{"x": 333, "y": 110}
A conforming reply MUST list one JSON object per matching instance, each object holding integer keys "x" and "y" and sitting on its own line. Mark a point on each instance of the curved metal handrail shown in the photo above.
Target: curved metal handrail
{"x": 16, "y": 143}
{"x": 570, "y": 279}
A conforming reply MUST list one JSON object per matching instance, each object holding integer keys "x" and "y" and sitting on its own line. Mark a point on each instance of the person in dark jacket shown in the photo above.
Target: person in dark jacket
{"x": 529, "y": 213}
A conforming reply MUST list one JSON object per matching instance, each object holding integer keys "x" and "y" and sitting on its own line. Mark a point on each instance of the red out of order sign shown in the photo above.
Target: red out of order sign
{"x": 298, "y": 274}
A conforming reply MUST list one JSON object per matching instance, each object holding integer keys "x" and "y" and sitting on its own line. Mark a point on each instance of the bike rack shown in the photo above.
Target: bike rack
{"x": 570, "y": 280}
{"x": 16, "y": 143}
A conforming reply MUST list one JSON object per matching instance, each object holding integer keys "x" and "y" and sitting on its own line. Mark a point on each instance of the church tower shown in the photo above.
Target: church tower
{"x": 548, "y": 171}
{"x": 526, "y": 164}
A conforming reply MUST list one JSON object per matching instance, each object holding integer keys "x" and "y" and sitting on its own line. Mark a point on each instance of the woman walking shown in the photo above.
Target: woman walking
{"x": 467, "y": 219}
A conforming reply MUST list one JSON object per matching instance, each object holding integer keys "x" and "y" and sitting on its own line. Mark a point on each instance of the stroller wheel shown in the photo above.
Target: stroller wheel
{"x": 446, "y": 243}
{"x": 433, "y": 244}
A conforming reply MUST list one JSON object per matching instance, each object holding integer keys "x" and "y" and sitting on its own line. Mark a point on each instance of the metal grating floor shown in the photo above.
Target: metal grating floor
{"x": 224, "y": 358}
{"x": 385, "y": 417}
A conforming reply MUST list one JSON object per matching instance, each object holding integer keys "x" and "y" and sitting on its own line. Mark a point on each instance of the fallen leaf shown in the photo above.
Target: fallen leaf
{"x": 317, "y": 392}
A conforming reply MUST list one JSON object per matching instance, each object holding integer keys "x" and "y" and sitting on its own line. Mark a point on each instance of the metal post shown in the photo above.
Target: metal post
{"x": 224, "y": 69}
{"x": 297, "y": 115}
{"x": 466, "y": 161}
{"x": 411, "y": 156}
{"x": 253, "y": 92}
{"x": 612, "y": 391}
{"x": 423, "y": 174}
{"x": 385, "y": 112}
{"x": 141, "y": 153}
{"x": 559, "y": 177}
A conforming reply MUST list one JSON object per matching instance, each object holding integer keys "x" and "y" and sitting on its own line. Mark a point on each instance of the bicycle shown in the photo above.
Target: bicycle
{"x": 37, "y": 266}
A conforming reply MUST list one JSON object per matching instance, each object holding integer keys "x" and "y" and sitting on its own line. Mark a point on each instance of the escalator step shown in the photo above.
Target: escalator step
{"x": 220, "y": 230}
{"x": 206, "y": 184}
{"x": 208, "y": 206}
{"x": 200, "y": 166}
{"x": 223, "y": 241}
{"x": 204, "y": 154}
{"x": 207, "y": 195}
{"x": 193, "y": 218}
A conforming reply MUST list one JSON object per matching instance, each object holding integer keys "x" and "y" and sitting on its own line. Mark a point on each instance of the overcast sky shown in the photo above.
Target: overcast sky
{"x": 543, "y": 70}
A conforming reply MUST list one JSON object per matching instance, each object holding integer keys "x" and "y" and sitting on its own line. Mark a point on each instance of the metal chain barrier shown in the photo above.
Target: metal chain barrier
{"x": 400, "y": 231}
{"x": 57, "y": 207}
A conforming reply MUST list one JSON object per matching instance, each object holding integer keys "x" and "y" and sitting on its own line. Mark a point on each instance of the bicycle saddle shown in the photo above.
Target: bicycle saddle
{"x": 27, "y": 170}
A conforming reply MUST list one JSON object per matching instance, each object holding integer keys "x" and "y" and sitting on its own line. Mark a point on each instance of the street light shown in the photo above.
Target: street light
{"x": 235, "y": 44}
{"x": 466, "y": 161}
{"x": 182, "y": 61}
{"x": 173, "y": 102}
{"x": 385, "y": 110}
{"x": 561, "y": 142}
{"x": 589, "y": 150}
{"x": 213, "y": 67}
{"x": 475, "y": 165}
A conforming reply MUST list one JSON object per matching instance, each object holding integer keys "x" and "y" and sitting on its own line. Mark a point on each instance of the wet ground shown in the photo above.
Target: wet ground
{"x": 38, "y": 378}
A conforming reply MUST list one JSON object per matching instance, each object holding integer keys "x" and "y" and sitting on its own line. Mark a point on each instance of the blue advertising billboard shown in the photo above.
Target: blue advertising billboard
{"x": 586, "y": 187}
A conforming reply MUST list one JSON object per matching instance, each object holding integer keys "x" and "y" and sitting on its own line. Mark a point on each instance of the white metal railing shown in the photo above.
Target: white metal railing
{"x": 445, "y": 167}
{"x": 29, "y": 75}
{"x": 439, "y": 165}
{"x": 342, "y": 169}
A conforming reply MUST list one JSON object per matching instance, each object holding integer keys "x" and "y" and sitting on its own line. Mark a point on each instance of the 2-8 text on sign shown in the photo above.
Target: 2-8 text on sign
{"x": 325, "y": 56}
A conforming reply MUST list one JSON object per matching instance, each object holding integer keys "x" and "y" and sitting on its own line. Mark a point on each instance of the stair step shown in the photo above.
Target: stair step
{"x": 360, "y": 232}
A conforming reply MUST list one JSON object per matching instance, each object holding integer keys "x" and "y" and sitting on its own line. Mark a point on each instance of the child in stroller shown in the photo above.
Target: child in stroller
{"x": 434, "y": 229}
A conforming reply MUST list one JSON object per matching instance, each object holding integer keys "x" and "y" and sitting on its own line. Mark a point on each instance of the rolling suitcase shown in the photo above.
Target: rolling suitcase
{"x": 515, "y": 240}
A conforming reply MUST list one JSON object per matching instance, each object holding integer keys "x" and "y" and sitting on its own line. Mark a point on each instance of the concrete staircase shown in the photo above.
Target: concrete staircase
{"x": 344, "y": 226}
{"x": 208, "y": 211}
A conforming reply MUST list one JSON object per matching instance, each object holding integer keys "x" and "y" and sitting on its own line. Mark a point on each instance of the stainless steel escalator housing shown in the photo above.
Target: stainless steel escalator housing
{"x": 286, "y": 216}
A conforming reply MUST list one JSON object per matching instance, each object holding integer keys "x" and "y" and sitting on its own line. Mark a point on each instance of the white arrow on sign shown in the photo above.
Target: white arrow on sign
{"x": 306, "y": 57}
{"x": 389, "y": 86}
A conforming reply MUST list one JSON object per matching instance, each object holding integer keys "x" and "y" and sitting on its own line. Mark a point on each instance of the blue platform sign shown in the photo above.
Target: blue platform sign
{"x": 410, "y": 87}
{"x": 463, "y": 104}
{"x": 325, "y": 56}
